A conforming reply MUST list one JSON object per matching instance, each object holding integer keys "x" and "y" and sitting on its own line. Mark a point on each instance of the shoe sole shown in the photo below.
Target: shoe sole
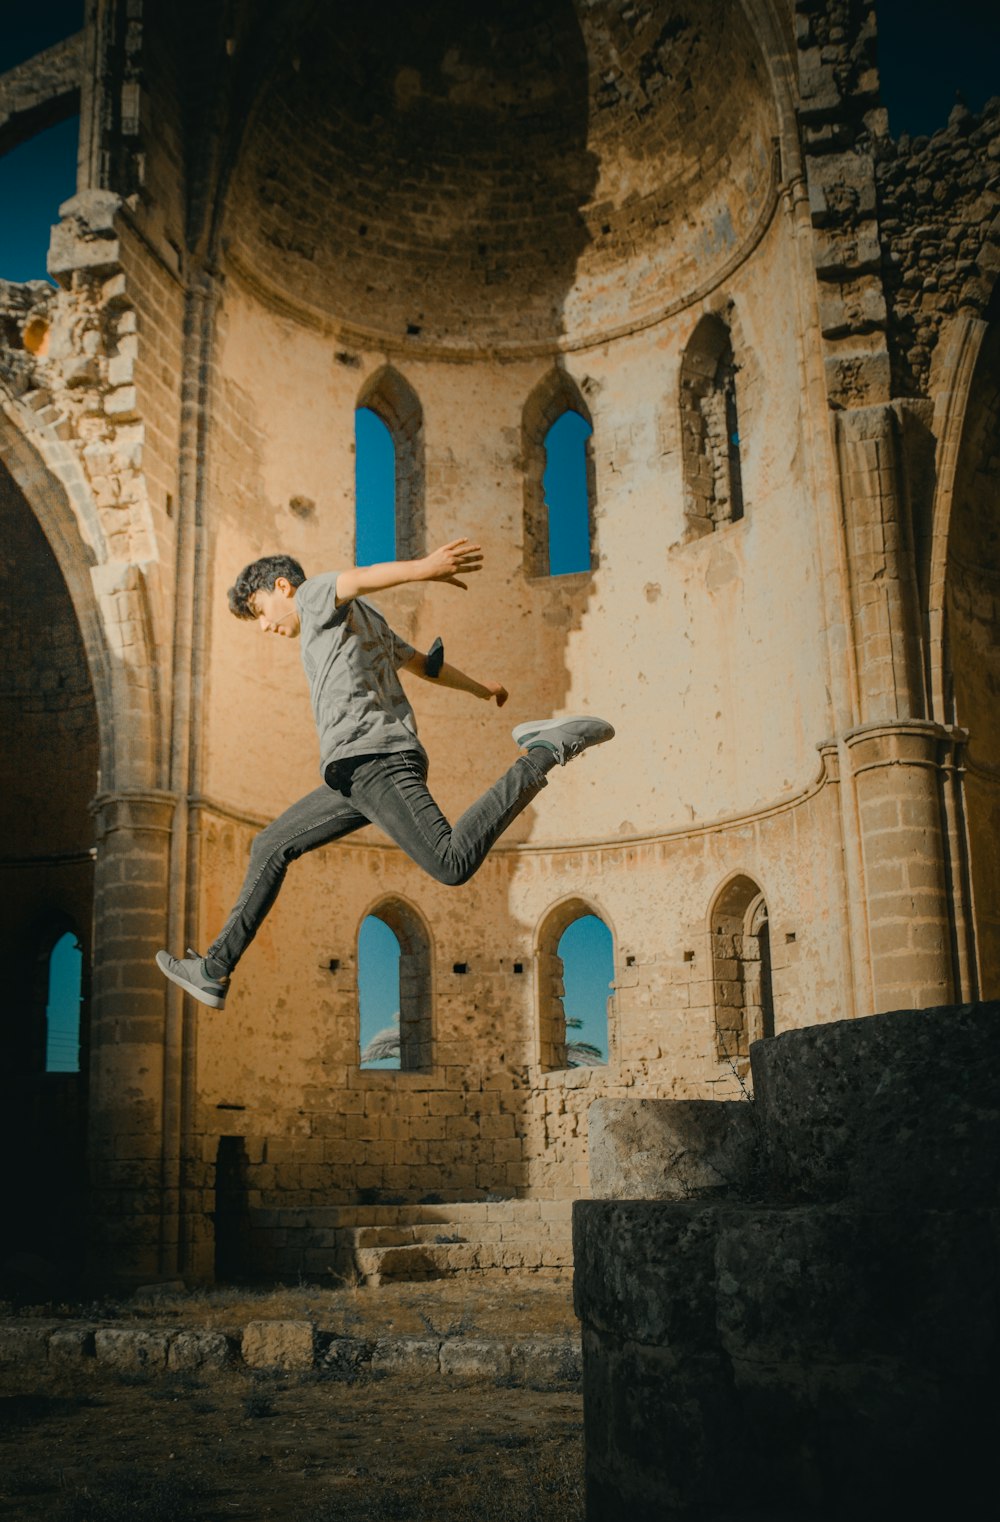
{"x": 534, "y": 730}
{"x": 203, "y": 996}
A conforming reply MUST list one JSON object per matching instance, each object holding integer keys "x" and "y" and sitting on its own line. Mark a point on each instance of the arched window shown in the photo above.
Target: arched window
{"x": 62, "y": 1010}
{"x": 741, "y": 967}
{"x": 374, "y": 489}
{"x": 394, "y": 995}
{"x": 389, "y": 470}
{"x": 710, "y": 429}
{"x": 567, "y": 499}
{"x": 558, "y": 479}
{"x": 576, "y": 970}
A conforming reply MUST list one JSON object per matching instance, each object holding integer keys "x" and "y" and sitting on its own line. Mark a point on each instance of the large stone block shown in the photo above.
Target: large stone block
{"x": 85, "y": 238}
{"x": 655, "y": 1285}
{"x": 129, "y": 1349}
{"x": 71, "y": 1344}
{"x": 819, "y": 1352}
{"x": 897, "y": 1108}
{"x": 25, "y": 1344}
{"x": 545, "y": 1361}
{"x": 474, "y": 1358}
{"x": 279, "y": 1344}
{"x": 198, "y": 1350}
{"x": 405, "y": 1355}
{"x": 662, "y": 1149}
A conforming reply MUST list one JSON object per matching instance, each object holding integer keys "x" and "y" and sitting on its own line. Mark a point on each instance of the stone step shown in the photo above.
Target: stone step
{"x": 404, "y": 1236}
{"x": 426, "y": 1260}
{"x": 424, "y": 1241}
{"x": 382, "y": 1265}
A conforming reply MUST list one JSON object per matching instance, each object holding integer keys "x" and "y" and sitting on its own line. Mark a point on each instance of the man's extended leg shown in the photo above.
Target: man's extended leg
{"x": 318, "y": 818}
{"x": 392, "y": 791}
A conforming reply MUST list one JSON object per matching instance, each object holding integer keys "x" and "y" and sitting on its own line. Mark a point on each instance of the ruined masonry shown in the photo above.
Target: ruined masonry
{"x": 801, "y": 1290}
{"x": 780, "y": 323}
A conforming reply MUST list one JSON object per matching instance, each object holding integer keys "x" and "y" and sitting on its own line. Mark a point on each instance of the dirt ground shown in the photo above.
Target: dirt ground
{"x": 98, "y": 1445}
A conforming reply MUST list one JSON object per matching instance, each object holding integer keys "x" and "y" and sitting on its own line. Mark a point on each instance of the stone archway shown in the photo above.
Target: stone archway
{"x": 120, "y": 836}
{"x": 969, "y": 681}
{"x": 49, "y": 765}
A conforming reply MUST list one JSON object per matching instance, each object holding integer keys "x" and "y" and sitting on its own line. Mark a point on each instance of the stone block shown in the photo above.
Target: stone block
{"x": 71, "y": 1344}
{"x": 895, "y": 1108}
{"x": 669, "y": 1148}
{"x": 858, "y": 379}
{"x": 405, "y": 1355}
{"x": 346, "y": 1356}
{"x": 841, "y": 188}
{"x": 197, "y": 1350}
{"x": 546, "y": 1361}
{"x": 25, "y": 1344}
{"x": 472, "y": 1358}
{"x": 669, "y": 1244}
{"x": 85, "y": 238}
{"x": 279, "y": 1344}
{"x": 130, "y": 1349}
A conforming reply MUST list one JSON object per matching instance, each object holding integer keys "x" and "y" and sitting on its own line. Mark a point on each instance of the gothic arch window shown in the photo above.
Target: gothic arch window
{"x": 575, "y": 964}
{"x": 710, "y": 429}
{"x": 389, "y": 470}
{"x": 62, "y": 1007}
{"x": 741, "y": 969}
{"x": 394, "y": 989}
{"x": 558, "y": 479}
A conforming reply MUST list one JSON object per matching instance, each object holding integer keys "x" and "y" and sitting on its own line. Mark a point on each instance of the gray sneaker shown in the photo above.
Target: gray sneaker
{"x": 189, "y": 973}
{"x": 566, "y": 738}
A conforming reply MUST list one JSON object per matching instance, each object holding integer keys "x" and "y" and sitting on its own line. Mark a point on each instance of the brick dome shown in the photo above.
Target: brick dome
{"x": 502, "y": 178}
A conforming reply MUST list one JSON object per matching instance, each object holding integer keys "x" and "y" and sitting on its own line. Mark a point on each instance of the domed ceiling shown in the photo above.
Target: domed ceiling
{"x": 502, "y": 177}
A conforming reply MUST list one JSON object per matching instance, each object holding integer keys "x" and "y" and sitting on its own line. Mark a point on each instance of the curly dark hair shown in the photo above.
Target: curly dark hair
{"x": 260, "y": 576}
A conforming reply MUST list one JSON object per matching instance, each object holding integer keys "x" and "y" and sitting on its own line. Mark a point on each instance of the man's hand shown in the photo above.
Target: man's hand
{"x": 498, "y": 691}
{"x": 451, "y": 562}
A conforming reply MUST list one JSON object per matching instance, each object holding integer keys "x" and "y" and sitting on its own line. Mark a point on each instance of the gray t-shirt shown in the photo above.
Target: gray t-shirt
{"x": 351, "y": 657}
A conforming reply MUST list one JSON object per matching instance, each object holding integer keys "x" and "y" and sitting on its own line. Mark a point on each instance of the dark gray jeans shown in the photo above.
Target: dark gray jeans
{"x": 389, "y": 791}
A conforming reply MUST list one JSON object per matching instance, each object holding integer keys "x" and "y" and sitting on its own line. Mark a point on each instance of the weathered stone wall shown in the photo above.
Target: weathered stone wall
{"x": 938, "y": 206}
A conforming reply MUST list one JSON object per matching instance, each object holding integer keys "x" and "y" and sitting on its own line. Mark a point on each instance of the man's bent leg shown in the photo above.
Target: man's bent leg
{"x": 317, "y": 819}
{"x": 392, "y": 791}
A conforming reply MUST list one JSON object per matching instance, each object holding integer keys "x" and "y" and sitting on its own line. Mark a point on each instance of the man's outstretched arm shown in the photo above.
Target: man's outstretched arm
{"x": 450, "y": 676}
{"x": 449, "y": 563}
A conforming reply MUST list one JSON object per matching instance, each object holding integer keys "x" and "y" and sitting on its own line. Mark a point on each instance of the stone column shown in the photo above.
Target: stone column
{"x": 897, "y": 769}
{"x": 881, "y": 572}
{"x": 129, "y": 1207}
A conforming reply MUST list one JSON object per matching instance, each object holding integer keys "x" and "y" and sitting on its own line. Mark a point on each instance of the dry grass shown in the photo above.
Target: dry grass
{"x": 94, "y": 1447}
{"x": 511, "y": 1305}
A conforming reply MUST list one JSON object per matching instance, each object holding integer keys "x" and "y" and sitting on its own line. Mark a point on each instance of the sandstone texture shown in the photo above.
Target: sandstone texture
{"x": 278, "y": 1344}
{"x": 651, "y": 1149}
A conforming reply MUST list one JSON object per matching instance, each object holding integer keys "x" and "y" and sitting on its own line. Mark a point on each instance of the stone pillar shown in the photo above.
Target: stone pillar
{"x": 129, "y": 1207}
{"x": 897, "y": 771}
{"x": 881, "y": 571}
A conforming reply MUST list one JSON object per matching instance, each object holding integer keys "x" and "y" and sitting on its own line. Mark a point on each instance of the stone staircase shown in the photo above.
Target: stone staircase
{"x": 380, "y": 1244}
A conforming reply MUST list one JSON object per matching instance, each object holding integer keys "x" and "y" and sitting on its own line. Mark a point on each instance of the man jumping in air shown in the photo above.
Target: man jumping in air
{"x": 373, "y": 766}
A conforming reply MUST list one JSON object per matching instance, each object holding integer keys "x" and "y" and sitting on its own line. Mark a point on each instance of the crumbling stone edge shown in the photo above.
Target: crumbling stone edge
{"x": 291, "y": 1346}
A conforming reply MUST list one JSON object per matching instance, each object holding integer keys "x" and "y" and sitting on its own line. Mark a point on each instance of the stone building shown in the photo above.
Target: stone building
{"x": 690, "y": 226}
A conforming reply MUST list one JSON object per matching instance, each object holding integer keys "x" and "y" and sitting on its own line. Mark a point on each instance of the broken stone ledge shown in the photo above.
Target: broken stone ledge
{"x": 289, "y": 1346}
